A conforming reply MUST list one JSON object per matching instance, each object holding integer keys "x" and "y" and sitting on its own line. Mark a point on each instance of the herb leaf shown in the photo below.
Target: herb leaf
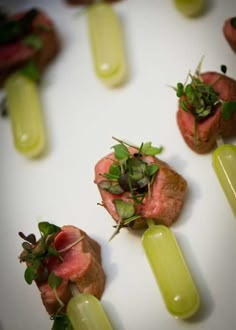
{"x": 54, "y": 281}
{"x": 33, "y": 41}
{"x": 30, "y": 70}
{"x": 61, "y": 322}
{"x": 124, "y": 209}
{"x": 228, "y": 108}
{"x": 30, "y": 274}
{"x": 47, "y": 228}
{"x": 149, "y": 150}
{"x": 121, "y": 151}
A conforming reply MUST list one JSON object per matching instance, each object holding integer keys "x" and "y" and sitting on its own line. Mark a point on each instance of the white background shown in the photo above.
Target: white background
{"x": 81, "y": 116}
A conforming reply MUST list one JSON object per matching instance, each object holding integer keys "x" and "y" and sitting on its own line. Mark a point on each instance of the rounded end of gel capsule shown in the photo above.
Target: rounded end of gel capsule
{"x": 182, "y": 308}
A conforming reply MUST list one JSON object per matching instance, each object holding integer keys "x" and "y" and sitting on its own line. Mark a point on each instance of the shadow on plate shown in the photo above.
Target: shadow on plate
{"x": 113, "y": 316}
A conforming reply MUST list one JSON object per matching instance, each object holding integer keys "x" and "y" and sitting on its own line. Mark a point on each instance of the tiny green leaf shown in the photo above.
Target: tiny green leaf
{"x": 116, "y": 189}
{"x": 149, "y": 150}
{"x": 121, "y": 151}
{"x": 61, "y": 322}
{"x": 152, "y": 169}
{"x": 47, "y": 228}
{"x": 115, "y": 170}
{"x": 33, "y": 41}
{"x": 228, "y": 108}
{"x": 104, "y": 184}
{"x": 30, "y": 70}
{"x": 52, "y": 252}
{"x": 124, "y": 209}
{"x": 30, "y": 274}
{"x": 54, "y": 281}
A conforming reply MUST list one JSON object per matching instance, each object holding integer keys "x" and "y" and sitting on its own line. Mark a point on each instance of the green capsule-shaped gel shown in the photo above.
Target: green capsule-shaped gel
{"x": 106, "y": 44}
{"x": 25, "y": 113}
{"x": 190, "y": 8}
{"x": 170, "y": 270}
{"x": 86, "y": 313}
{"x": 224, "y": 164}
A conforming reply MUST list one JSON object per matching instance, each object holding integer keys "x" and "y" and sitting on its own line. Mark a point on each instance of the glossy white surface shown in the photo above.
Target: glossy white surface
{"x": 82, "y": 115}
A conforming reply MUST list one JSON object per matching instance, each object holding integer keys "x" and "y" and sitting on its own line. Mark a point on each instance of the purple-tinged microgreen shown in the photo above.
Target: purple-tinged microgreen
{"x": 36, "y": 253}
{"x": 131, "y": 175}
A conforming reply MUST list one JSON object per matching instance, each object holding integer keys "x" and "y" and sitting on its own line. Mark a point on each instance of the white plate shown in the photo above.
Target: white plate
{"x": 82, "y": 115}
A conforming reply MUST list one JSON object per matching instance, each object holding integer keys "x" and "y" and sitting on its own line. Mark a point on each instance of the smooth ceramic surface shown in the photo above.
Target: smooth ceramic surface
{"x": 81, "y": 116}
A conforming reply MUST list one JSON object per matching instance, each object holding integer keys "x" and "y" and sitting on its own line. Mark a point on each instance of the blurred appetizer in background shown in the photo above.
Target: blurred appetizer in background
{"x": 107, "y": 46}
{"x": 28, "y": 43}
{"x": 64, "y": 262}
{"x": 229, "y": 30}
{"x": 191, "y": 8}
{"x": 88, "y": 2}
{"x": 135, "y": 185}
{"x": 207, "y": 108}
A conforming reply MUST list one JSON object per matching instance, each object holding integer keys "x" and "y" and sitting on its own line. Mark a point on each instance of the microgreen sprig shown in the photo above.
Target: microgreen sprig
{"x": 200, "y": 99}
{"x": 36, "y": 253}
{"x": 131, "y": 175}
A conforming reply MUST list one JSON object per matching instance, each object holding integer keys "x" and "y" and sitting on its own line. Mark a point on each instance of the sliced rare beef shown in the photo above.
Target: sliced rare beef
{"x": 164, "y": 202}
{"x": 209, "y": 128}
{"x": 79, "y": 265}
{"x": 16, "y": 49}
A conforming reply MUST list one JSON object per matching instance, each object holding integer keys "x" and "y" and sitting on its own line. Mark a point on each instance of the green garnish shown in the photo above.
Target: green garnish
{"x": 13, "y": 29}
{"x": 61, "y": 322}
{"x": 228, "y": 108}
{"x": 200, "y": 99}
{"x": 36, "y": 253}
{"x": 33, "y": 41}
{"x": 131, "y": 175}
{"x": 30, "y": 70}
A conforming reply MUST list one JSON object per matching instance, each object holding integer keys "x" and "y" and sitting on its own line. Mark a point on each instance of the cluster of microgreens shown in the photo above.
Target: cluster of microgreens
{"x": 129, "y": 174}
{"x": 201, "y": 99}
{"x": 36, "y": 254}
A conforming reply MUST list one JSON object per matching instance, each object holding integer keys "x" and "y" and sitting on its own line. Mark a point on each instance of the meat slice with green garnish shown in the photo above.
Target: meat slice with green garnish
{"x": 73, "y": 257}
{"x": 27, "y": 36}
{"x": 207, "y": 109}
{"x": 139, "y": 186}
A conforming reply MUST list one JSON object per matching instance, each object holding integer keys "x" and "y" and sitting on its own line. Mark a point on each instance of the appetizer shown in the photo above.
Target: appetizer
{"x": 135, "y": 185}
{"x": 190, "y": 8}
{"x": 61, "y": 258}
{"x": 28, "y": 42}
{"x": 87, "y": 2}
{"x": 229, "y": 30}
{"x": 207, "y": 108}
